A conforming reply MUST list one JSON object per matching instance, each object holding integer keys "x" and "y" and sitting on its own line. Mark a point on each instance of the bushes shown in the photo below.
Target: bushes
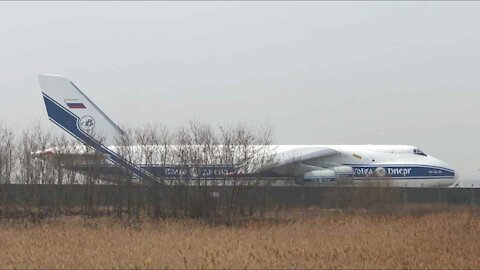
{"x": 38, "y": 159}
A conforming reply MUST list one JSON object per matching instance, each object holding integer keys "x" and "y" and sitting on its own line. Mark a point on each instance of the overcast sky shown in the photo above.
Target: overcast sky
{"x": 319, "y": 72}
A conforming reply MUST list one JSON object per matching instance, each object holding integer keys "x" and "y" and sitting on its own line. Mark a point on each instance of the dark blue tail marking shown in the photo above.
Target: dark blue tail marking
{"x": 69, "y": 122}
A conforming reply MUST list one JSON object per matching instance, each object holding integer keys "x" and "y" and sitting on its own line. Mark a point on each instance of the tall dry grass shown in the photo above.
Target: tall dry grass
{"x": 316, "y": 239}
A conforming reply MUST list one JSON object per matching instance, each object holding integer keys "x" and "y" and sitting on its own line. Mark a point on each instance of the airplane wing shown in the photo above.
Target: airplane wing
{"x": 293, "y": 162}
{"x": 304, "y": 154}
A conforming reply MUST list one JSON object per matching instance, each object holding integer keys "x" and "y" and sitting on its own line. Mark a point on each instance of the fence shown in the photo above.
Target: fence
{"x": 297, "y": 196}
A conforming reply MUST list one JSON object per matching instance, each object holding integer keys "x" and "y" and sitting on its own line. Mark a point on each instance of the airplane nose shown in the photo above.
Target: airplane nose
{"x": 439, "y": 163}
{"x": 455, "y": 179}
{"x": 455, "y": 175}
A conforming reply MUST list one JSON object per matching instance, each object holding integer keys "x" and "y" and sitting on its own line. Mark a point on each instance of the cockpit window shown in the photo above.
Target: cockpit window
{"x": 418, "y": 152}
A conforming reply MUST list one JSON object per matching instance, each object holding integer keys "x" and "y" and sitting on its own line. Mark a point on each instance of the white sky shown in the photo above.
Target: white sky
{"x": 319, "y": 72}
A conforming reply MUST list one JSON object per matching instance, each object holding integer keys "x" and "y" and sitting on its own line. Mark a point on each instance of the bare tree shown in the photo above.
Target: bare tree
{"x": 33, "y": 171}
{"x": 7, "y": 148}
{"x": 123, "y": 147}
{"x": 155, "y": 151}
{"x": 249, "y": 152}
{"x": 7, "y": 163}
{"x": 183, "y": 155}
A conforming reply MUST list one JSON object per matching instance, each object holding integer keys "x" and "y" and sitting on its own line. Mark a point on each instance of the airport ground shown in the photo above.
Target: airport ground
{"x": 412, "y": 237}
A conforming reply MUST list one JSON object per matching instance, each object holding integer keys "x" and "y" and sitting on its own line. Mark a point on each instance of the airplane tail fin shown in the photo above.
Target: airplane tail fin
{"x": 68, "y": 107}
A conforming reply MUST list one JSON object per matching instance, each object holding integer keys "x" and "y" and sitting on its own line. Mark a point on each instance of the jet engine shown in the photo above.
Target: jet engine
{"x": 341, "y": 175}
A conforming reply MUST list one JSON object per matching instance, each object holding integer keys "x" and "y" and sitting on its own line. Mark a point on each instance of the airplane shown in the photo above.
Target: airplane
{"x": 393, "y": 165}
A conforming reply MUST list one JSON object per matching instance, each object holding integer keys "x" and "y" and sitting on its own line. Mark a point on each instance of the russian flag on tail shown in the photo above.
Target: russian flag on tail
{"x": 74, "y": 104}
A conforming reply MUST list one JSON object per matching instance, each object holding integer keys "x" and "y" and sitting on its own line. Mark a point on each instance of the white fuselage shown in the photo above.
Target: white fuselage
{"x": 391, "y": 165}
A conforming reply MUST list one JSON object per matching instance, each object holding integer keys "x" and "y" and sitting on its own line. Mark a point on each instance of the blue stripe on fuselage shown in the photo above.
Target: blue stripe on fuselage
{"x": 402, "y": 171}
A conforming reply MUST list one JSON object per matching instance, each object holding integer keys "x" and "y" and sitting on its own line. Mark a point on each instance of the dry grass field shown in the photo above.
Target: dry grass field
{"x": 312, "y": 239}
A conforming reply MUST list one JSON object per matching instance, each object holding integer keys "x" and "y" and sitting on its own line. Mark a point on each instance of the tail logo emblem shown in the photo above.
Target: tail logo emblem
{"x": 87, "y": 123}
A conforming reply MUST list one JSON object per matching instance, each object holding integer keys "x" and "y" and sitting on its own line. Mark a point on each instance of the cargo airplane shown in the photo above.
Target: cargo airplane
{"x": 396, "y": 165}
